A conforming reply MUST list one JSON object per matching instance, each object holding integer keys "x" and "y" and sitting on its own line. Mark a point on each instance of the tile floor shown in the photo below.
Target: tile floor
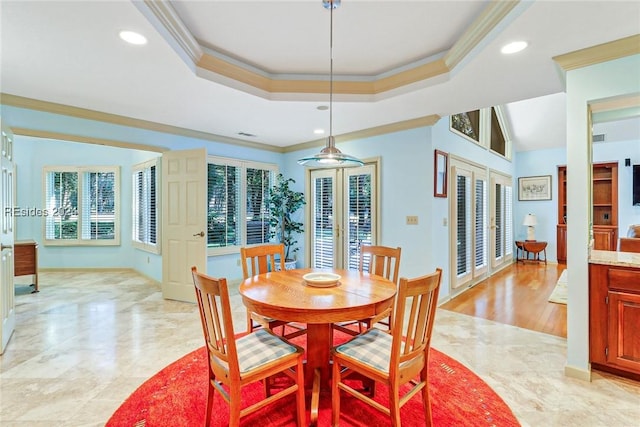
{"x": 87, "y": 340}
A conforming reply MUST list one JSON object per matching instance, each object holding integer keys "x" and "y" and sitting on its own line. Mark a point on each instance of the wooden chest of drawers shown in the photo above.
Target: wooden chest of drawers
{"x": 26, "y": 260}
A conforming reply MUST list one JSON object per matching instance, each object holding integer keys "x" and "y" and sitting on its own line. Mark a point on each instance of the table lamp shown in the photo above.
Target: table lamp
{"x": 530, "y": 222}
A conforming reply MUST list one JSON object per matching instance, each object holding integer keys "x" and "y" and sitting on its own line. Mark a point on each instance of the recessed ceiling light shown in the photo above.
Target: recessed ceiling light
{"x": 319, "y": 131}
{"x": 513, "y": 47}
{"x": 322, "y": 107}
{"x": 133, "y": 37}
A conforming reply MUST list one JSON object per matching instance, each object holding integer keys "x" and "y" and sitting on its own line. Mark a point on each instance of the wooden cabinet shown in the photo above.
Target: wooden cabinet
{"x": 614, "y": 316}
{"x": 25, "y": 260}
{"x": 605, "y": 208}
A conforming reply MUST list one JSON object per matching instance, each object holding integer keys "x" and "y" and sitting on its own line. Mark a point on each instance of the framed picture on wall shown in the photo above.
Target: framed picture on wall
{"x": 534, "y": 187}
{"x": 440, "y": 167}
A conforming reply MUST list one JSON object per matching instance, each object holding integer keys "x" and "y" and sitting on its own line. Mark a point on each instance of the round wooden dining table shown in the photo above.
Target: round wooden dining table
{"x": 284, "y": 295}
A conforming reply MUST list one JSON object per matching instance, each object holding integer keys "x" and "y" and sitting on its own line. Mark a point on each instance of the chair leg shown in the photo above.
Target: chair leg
{"x": 249, "y": 323}
{"x": 300, "y": 393}
{"x": 234, "y": 405}
{"x": 210, "y": 393}
{"x": 394, "y": 405}
{"x": 335, "y": 394}
{"x": 426, "y": 400}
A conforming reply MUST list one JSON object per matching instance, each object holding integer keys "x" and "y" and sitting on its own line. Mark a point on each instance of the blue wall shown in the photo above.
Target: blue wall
{"x": 406, "y": 187}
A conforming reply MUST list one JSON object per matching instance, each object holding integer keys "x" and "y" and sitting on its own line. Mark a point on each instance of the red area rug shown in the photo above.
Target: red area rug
{"x": 176, "y": 397}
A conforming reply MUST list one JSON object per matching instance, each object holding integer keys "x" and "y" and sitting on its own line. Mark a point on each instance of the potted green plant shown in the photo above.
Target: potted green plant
{"x": 283, "y": 203}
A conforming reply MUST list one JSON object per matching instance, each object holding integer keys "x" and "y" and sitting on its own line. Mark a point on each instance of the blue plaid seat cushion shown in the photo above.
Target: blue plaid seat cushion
{"x": 372, "y": 348}
{"x": 260, "y": 348}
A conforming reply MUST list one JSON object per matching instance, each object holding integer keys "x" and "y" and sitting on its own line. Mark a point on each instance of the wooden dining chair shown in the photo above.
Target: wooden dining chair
{"x": 382, "y": 261}
{"x": 395, "y": 358}
{"x": 234, "y": 363}
{"x": 263, "y": 259}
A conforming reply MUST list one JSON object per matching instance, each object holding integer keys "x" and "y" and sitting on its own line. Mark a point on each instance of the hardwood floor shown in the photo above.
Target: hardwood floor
{"x": 517, "y": 296}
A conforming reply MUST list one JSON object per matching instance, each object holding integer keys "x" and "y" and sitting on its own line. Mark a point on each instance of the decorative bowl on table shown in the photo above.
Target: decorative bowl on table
{"x": 321, "y": 279}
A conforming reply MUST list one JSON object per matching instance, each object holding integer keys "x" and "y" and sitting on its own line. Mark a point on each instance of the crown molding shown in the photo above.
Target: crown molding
{"x": 215, "y": 66}
{"x": 86, "y": 139}
{"x": 488, "y": 20}
{"x": 600, "y": 53}
{"x": 166, "y": 20}
{"x": 424, "y": 121}
{"x": 82, "y": 113}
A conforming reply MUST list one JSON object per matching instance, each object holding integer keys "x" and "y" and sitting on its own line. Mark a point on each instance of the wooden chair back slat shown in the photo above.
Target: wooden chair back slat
{"x": 214, "y": 306}
{"x": 380, "y": 260}
{"x": 261, "y": 259}
{"x": 420, "y": 295}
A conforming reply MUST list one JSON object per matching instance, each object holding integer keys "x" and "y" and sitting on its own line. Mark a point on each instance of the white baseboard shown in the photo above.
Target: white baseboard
{"x": 577, "y": 373}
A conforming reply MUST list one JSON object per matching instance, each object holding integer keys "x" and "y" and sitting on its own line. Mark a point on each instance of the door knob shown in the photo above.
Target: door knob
{"x": 3, "y": 247}
{"x": 201, "y": 234}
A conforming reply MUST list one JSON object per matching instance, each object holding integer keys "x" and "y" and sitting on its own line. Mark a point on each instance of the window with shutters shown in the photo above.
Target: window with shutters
{"x": 81, "y": 205}
{"x": 145, "y": 206}
{"x": 237, "y": 203}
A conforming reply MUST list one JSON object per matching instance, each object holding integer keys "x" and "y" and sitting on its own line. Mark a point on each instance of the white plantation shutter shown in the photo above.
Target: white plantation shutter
{"x": 82, "y": 205}
{"x": 359, "y": 211}
{"x": 463, "y": 224}
{"x": 259, "y": 181}
{"x": 508, "y": 219}
{"x": 323, "y": 188}
{"x": 223, "y": 205}
{"x": 499, "y": 237}
{"x": 502, "y": 240}
{"x": 144, "y": 210}
{"x": 480, "y": 223}
{"x": 61, "y": 204}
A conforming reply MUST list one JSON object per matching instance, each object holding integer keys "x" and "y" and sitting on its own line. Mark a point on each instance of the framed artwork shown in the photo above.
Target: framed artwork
{"x": 440, "y": 168}
{"x": 534, "y": 187}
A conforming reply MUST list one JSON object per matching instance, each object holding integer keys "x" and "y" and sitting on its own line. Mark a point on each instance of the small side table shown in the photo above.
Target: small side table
{"x": 26, "y": 260}
{"x": 534, "y": 247}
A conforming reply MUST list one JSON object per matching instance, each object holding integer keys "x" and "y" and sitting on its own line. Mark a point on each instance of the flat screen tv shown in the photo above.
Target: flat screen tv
{"x": 636, "y": 185}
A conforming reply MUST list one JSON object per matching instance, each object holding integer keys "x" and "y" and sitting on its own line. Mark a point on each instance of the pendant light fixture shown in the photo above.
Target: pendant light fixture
{"x": 330, "y": 156}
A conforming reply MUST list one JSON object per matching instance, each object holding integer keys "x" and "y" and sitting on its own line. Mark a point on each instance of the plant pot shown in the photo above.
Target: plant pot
{"x": 289, "y": 264}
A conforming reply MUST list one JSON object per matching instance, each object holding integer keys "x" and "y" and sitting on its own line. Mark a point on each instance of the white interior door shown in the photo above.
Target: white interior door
{"x": 7, "y": 201}
{"x": 343, "y": 213}
{"x": 184, "y": 237}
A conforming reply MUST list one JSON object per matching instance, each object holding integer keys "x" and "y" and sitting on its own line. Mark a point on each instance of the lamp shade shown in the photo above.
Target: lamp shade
{"x": 530, "y": 220}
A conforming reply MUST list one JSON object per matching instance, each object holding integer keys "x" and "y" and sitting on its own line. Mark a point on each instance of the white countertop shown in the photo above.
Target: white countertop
{"x": 623, "y": 259}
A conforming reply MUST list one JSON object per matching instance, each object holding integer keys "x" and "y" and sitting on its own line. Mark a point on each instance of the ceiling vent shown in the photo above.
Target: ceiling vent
{"x": 598, "y": 137}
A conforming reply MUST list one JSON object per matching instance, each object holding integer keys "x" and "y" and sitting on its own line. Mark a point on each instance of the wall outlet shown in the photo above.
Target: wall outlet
{"x": 412, "y": 220}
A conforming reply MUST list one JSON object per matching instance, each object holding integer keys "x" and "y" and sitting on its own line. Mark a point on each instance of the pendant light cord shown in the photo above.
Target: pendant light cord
{"x": 331, "y": 7}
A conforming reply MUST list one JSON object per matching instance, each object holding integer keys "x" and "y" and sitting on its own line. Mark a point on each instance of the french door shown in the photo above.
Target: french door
{"x": 343, "y": 215}
{"x": 501, "y": 220}
{"x": 469, "y": 213}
